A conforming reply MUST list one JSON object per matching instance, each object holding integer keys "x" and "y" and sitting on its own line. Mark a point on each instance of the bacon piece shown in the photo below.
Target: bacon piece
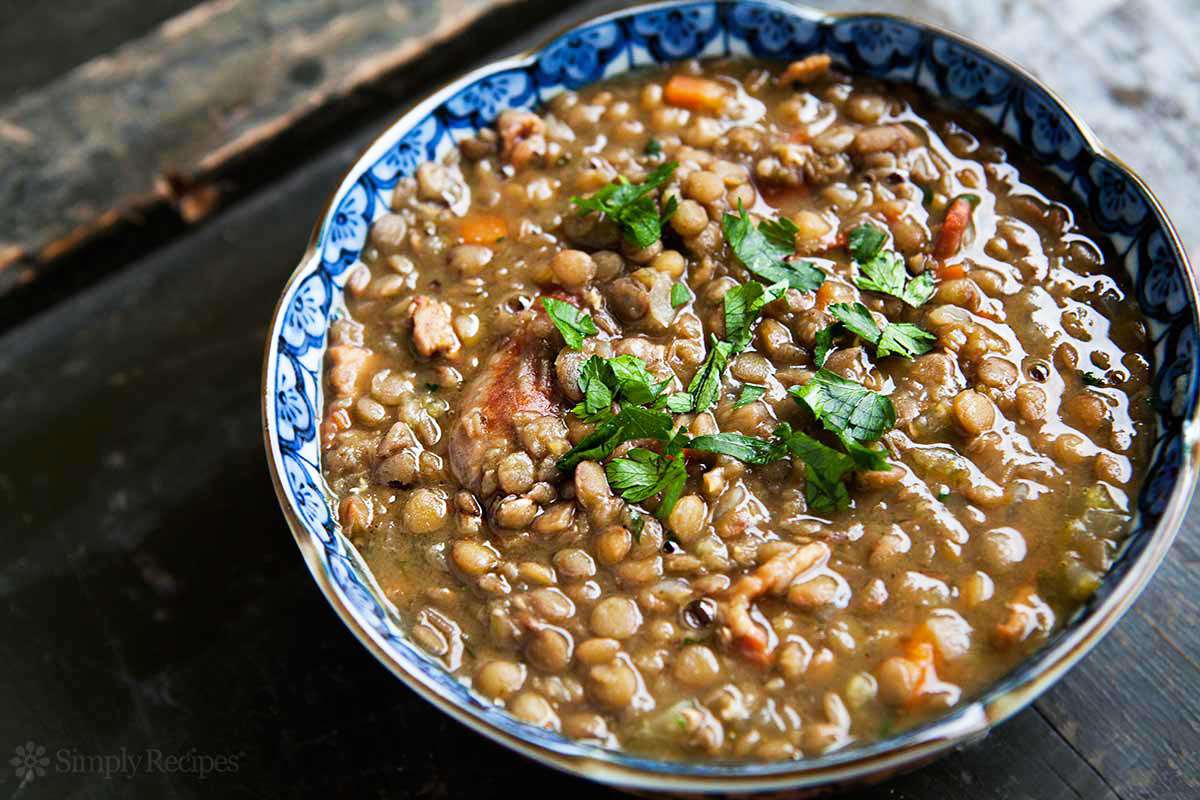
{"x": 958, "y": 217}
{"x": 522, "y": 136}
{"x": 518, "y": 381}
{"x": 752, "y": 639}
{"x": 433, "y": 332}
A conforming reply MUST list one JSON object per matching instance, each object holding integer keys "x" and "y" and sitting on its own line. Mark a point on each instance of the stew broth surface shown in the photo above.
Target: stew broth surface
{"x": 758, "y": 619}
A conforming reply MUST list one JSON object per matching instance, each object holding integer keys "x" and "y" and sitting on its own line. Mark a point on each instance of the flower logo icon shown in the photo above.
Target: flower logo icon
{"x": 29, "y": 761}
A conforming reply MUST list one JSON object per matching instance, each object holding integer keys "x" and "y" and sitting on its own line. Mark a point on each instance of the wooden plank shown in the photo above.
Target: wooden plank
{"x": 204, "y": 108}
{"x": 41, "y": 41}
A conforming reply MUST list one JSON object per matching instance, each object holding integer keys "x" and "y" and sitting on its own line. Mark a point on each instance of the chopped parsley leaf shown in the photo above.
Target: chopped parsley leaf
{"x": 679, "y": 295}
{"x": 742, "y": 304}
{"x": 749, "y": 394}
{"x": 706, "y": 383}
{"x": 653, "y": 147}
{"x": 1090, "y": 378}
{"x": 631, "y": 207}
{"x": 631, "y": 422}
{"x": 846, "y": 407}
{"x": 896, "y": 338}
{"x": 823, "y": 344}
{"x": 884, "y": 271}
{"x": 764, "y": 250}
{"x": 572, "y": 323}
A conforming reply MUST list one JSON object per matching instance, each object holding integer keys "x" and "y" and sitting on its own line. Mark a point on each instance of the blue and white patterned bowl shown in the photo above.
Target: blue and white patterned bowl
{"x": 883, "y": 46}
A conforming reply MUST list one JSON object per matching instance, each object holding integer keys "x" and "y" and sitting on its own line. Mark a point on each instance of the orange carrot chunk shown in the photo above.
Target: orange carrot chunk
{"x": 696, "y": 94}
{"x": 958, "y": 217}
{"x": 483, "y": 229}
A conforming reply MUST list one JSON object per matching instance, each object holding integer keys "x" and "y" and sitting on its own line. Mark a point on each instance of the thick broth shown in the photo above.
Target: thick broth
{"x": 1019, "y": 439}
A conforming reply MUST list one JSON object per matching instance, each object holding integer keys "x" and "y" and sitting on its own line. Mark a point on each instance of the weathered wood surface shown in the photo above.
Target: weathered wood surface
{"x": 150, "y": 595}
{"x": 198, "y": 110}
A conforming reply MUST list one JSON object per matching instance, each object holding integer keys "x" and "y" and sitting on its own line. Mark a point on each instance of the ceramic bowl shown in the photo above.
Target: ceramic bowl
{"x": 886, "y": 47}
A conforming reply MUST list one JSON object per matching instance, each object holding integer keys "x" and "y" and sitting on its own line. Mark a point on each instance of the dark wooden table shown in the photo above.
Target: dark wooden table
{"x": 152, "y": 603}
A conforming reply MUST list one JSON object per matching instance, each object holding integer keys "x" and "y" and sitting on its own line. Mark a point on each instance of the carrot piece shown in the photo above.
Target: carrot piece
{"x": 958, "y": 217}
{"x": 483, "y": 229}
{"x": 948, "y": 272}
{"x": 697, "y": 94}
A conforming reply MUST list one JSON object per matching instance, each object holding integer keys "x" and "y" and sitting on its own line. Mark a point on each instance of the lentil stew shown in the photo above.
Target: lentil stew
{"x": 735, "y": 411}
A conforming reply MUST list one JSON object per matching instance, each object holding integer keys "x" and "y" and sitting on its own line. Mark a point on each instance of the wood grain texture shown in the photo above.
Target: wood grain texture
{"x": 170, "y": 120}
{"x": 150, "y": 594}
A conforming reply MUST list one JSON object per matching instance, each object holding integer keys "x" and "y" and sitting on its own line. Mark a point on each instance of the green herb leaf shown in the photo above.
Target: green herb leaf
{"x": 918, "y": 291}
{"x": 823, "y": 344}
{"x": 824, "y": 469}
{"x": 884, "y": 273}
{"x": 706, "y": 383}
{"x": 904, "y": 339}
{"x": 865, "y": 242}
{"x": 679, "y": 295}
{"x": 742, "y": 304}
{"x": 844, "y": 406}
{"x": 653, "y": 147}
{"x": 857, "y": 319}
{"x": 868, "y": 459}
{"x": 596, "y": 382}
{"x": 884, "y": 270}
{"x": 637, "y": 524}
{"x": 764, "y": 250}
{"x": 749, "y": 394}
{"x": 680, "y": 403}
{"x": 631, "y": 422}
{"x": 572, "y": 323}
{"x": 636, "y": 476}
{"x": 1091, "y": 378}
{"x": 630, "y": 205}
{"x": 636, "y": 383}
{"x": 749, "y": 449}
{"x": 896, "y": 338}
{"x": 644, "y": 473}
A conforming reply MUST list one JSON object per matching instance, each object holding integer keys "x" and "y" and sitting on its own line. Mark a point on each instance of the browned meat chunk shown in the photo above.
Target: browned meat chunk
{"x": 752, "y": 639}
{"x": 517, "y": 383}
{"x": 433, "y": 333}
{"x": 522, "y": 137}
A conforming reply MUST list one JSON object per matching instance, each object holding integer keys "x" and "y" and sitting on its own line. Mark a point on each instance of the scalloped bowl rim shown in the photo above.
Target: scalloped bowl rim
{"x": 963, "y": 724}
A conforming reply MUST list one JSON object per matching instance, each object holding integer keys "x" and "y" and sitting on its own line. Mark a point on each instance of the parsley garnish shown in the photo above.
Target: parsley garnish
{"x": 572, "y": 323}
{"x": 604, "y": 381}
{"x": 824, "y": 469}
{"x": 764, "y": 250}
{"x": 883, "y": 270}
{"x": 631, "y": 422}
{"x": 653, "y": 147}
{"x": 845, "y": 407}
{"x": 749, "y": 394}
{"x": 644, "y": 473}
{"x": 706, "y": 383}
{"x": 749, "y": 449}
{"x": 823, "y": 344}
{"x": 899, "y": 338}
{"x": 631, "y": 206}
{"x": 680, "y": 403}
{"x": 637, "y": 523}
{"x": 679, "y": 295}
{"x": 1090, "y": 378}
{"x": 742, "y": 304}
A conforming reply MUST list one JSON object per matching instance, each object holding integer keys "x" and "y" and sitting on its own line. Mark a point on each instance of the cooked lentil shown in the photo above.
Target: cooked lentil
{"x": 757, "y": 619}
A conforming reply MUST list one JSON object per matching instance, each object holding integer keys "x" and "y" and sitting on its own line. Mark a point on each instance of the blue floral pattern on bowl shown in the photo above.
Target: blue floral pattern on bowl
{"x": 885, "y": 47}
